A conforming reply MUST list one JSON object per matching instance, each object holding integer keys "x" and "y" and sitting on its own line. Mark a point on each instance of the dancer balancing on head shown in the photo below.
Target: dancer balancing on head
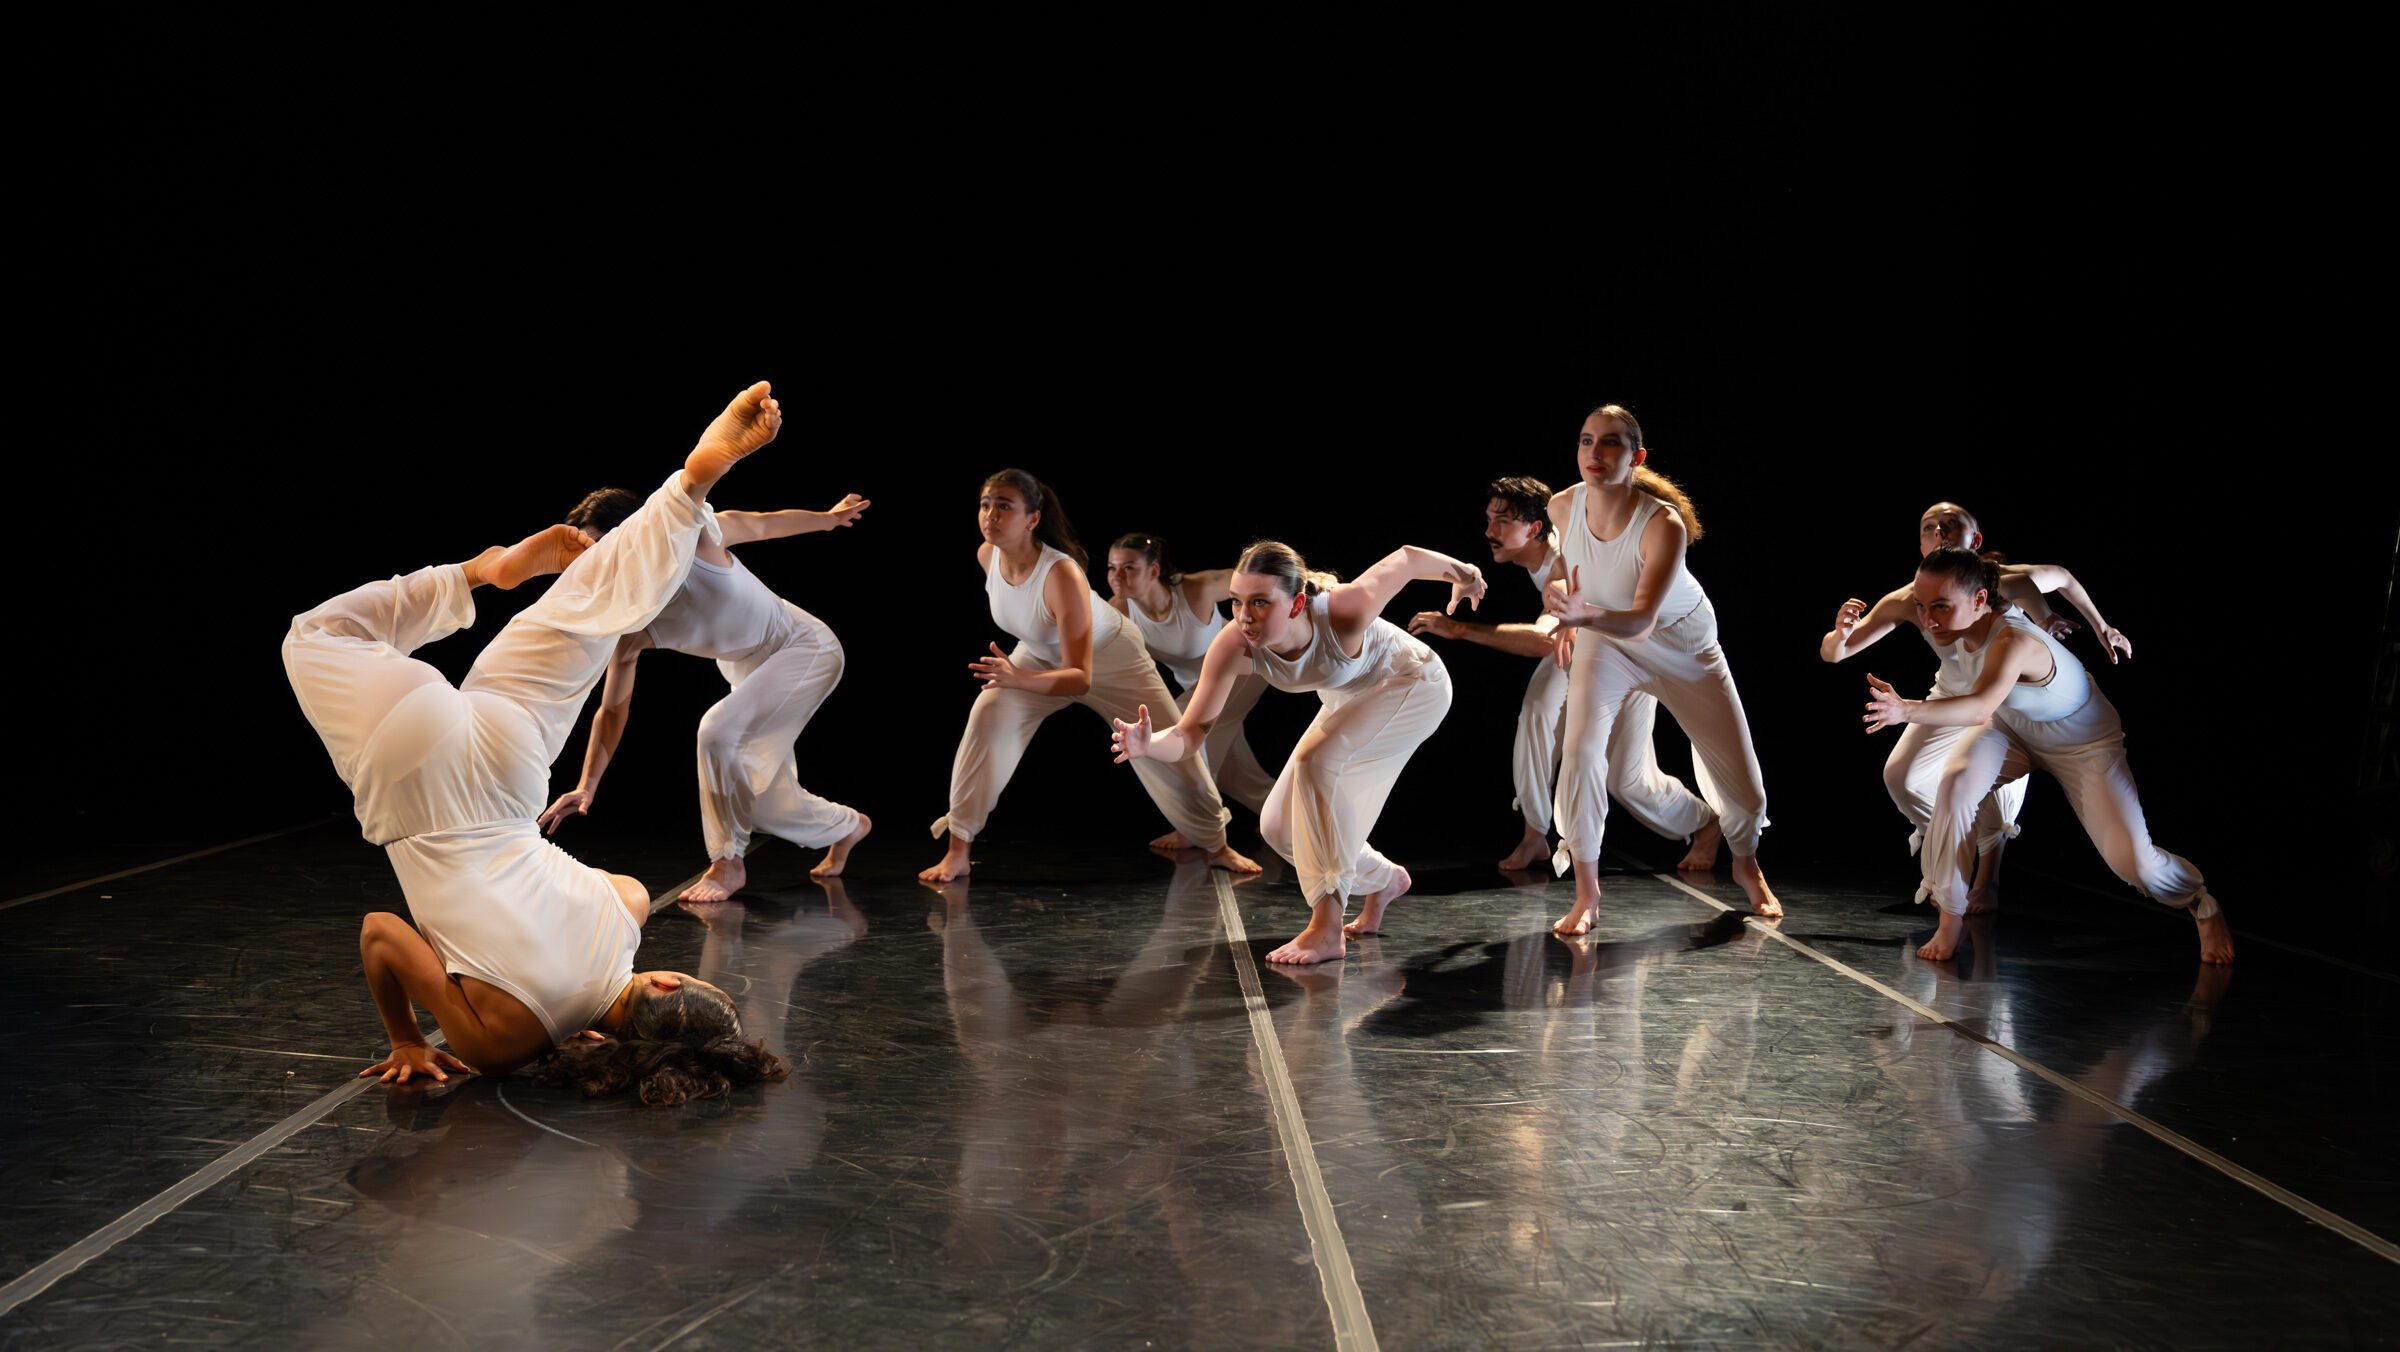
{"x": 2044, "y": 710}
{"x": 1070, "y": 649}
{"x": 1383, "y": 693}
{"x": 781, "y": 662}
{"x": 1914, "y": 769}
{"x": 1517, "y": 527}
{"x": 1622, "y": 532}
{"x": 1177, "y": 617}
{"x": 517, "y": 948}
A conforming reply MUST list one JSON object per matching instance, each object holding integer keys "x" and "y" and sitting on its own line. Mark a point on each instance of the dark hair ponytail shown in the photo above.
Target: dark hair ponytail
{"x": 1053, "y": 529}
{"x": 1966, "y": 568}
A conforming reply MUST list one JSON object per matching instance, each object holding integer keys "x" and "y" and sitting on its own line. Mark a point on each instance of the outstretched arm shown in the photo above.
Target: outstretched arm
{"x": 2012, "y": 657}
{"x": 1206, "y": 587}
{"x": 1663, "y": 542}
{"x": 1227, "y": 657}
{"x": 2049, "y": 577}
{"x": 1353, "y": 605}
{"x": 741, "y": 528}
{"x": 608, "y": 728}
{"x": 1525, "y": 640}
{"x": 1855, "y": 626}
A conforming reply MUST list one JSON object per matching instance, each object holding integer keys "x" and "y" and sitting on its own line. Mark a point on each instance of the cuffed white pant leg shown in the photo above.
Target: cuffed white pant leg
{"x": 349, "y": 662}
{"x": 749, "y": 774}
{"x": 999, "y": 724}
{"x": 1913, "y": 772}
{"x": 1638, "y": 784}
{"x": 1600, "y": 676}
{"x": 1334, "y": 787}
{"x": 1123, "y": 680}
{"x": 1239, "y": 775}
{"x": 2099, "y": 785}
{"x": 1691, "y": 677}
{"x": 1533, "y": 758}
{"x": 1970, "y": 768}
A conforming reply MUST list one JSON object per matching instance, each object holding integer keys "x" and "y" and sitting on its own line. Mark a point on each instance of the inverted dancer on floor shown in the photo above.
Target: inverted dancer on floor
{"x": 2045, "y": 711}
{"x": 1071, "y": 649}
{"x": 518, "y": 948}
{"x": 1622, "y": 532}
{"x": 1383, "y": 694}
{"x": 781, "y": 662}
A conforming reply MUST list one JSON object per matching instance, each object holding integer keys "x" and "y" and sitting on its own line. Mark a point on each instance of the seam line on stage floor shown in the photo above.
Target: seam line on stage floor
{"x": 145, "y": 868}
{"x": 42, "y": 1276}
{"x": 2142, "y": 903}
{"x": 1353, "y": 1331}
{"x": 2350, "y": 1230}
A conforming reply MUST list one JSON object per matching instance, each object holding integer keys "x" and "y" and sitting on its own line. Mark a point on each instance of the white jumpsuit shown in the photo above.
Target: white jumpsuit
{"x": 1179, "y": 642}
{"x": 449, "y": 781}
{"x": 1681, "y": 665}
{"x": 1378, "y": 708}
{"x": 781, "y": 662}
{"x": 1124, "y": 678}
{"x": 2065, "y": 726}
{"x": 1913, "y": 772}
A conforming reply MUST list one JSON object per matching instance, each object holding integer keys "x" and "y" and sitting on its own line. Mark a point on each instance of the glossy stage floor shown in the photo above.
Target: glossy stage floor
{"x": 1069, "y": 1106}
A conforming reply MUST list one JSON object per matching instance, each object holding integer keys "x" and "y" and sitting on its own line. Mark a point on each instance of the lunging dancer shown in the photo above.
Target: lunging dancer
{"x": 781, "y": 662}
{"x": 517, "y": 948}
{"x": 2045, "y": 711}
{"x": 1383, "y": 694}
{"x": 1071, "y": 649}
{"x": 1622, "y": 533}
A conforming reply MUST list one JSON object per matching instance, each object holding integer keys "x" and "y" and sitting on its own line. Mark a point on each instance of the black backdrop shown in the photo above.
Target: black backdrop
{"x": 305, "y": 369}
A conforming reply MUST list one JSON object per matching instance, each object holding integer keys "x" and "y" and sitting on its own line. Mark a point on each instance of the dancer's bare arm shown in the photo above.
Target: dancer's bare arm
{"x": 1226, "y": 661}
{"x": 608, "y": 728}
{"x": 1202, "y": 590}
{"x": 741, "y": 528}
{"x": 1355, "y": 604}
{"x": 1663, "y": 542}
{"x": 494, "y": 1034}
{"x": 2050, "y": 577}
{"x": 1525, "y": 640}
{"x": 2013, "y": 657}
{"x": 1068, "y": 594}
{"x": 1856, "y": 626}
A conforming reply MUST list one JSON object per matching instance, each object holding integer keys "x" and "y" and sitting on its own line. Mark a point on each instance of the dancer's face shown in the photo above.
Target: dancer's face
{"x": 1947, "y": 524}
{"x": 1946, "y": 609}
{"x": 1003, "y": 517}
{"x": 1266, "y": 612}
{"x": 1129, "y": 573}
{"x": 1504, "y": 533}
{"x": 1605, "y": 452}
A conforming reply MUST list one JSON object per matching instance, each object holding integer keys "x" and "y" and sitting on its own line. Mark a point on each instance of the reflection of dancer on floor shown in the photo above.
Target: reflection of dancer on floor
{"x": 1070, "y": 649}
{"x": 1914, "y": 769}
{"x": 1517, "y": 526}
{"x": 1383, "y": 693}
{"x": 2046, "y": 711}
{"x": 1622, "y": 532}
{"x": 518, "y": 947}
{"x": 1176, "y": 614}
{"x": 781, "y": 662}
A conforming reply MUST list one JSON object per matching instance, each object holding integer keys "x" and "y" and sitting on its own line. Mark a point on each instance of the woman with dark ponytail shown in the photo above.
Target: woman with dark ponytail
{"x": 2044, "y": 710}
{"x": 1071, "y": 649}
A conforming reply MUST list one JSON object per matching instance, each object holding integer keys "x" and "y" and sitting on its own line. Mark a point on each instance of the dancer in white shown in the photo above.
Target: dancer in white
{"x": 1517, "y": 527}
{"x": 1071, "y": 649}
{"x": 1622, "y": 532}
{"x": 1914, "y": 769}
{"x": 1177, "y": 616}
{"x": 517, "y": 947}
{"x": 2045, "y": 711}
{"x": 781, "y": 662}
{"x": 1383, "y": 694}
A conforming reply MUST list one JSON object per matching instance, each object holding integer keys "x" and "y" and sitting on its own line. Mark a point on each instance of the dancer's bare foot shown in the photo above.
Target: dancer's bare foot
{"x": 831, "y": 865}
{"x": 1227, "y": 857}
{"x": 1172, "y": 840}
{"x": 1320, "y": 942}
{"x": 1944, "y": 942}
{"x": 953, "y": 866}
{"x": 1370, "y": 911}
{"x": 537, "y": 555}
{"x": 2216, "y": 939}
{"x": 1754, "y": 885}
{"x": 1530, "y": 852}
{"x": 1703, "y": 855}
{"x": 724, "y": 878}
{"x": 1587, "y": 901}
{"x": 1981, "y": 901}
{"x": 749, "y": 422}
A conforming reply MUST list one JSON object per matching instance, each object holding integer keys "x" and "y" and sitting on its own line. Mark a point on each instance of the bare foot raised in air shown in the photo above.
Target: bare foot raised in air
{"x": 839, "y": 855}
{"x": 748, "y": 423}
{"x": 1754, "y": 885}
{"x": 724, "y": 878}
{"x": 1227, "y": 857}
{"x": 1944, "y": 942}
{"x": 953, "y": 866}
{"x": 1531, "y": 852}
{"x": 1370, "y": 910}
{"x": 1320, "y": 942}
{"x": 537, "y": 555}
{"x": 1703, "y": 855}
{"x": 1172, "y": 840}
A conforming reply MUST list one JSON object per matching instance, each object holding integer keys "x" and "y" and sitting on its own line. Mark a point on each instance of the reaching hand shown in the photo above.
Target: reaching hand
{"x": 577, "y": 799}
{"x": 1467, "y": 584}
{"x": 1846, "y": 619}
{"x": 996, "y": 671}
{"x": 1565, "y": 600}
{"x": 1562, "y": 648}
{"x": 1132, "y": 741}
{"x": 1434, "y": 622}
{"x": 847, "y": 511}
{"x": 2058, "y": 626}
{"x": 2114, "y": 641}
{"x": 416, "y": 1058}
{"x": 1884, "y": 705}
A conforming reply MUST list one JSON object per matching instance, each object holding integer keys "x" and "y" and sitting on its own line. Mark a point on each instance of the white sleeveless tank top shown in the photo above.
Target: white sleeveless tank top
{"x": 1540, "y": 572}
{"x": 1021, "y": 611}
{"x": 1609, "y": 569}
{"x": 1958, "y": 670}
{"x": 725, "y": 613}
{"x": 1387, "y": 651}
{"x": 1181, "y": 639}
{"x": 2062, "y": 696}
